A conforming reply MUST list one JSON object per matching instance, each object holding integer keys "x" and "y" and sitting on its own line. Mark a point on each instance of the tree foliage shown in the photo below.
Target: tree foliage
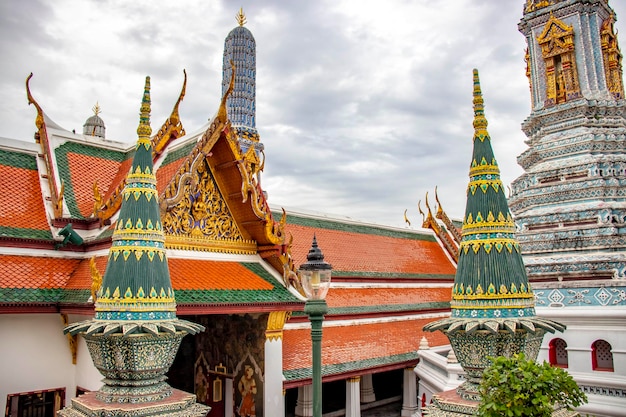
{"x": 518, "y": 387}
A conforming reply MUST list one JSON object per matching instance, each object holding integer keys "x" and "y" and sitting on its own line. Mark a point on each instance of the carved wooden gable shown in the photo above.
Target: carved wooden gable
{"x": 195, "y": 213}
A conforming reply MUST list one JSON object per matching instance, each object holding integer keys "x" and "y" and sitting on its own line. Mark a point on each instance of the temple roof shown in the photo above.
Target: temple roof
{"x": 353, "y": 347}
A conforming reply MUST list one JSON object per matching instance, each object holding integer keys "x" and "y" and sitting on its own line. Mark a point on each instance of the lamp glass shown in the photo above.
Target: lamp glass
{"x": 315, "y": 283}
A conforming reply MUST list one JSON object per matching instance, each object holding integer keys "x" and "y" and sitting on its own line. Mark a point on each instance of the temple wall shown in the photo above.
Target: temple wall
{"x": 36, "y": 356}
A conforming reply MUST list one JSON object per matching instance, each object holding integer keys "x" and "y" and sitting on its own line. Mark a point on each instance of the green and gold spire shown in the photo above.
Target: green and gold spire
{"x": 491, "y": 289}
{"x": 137, "y": 283}
{"x": 491, "y": 280}
{"x": 136, "y": 293}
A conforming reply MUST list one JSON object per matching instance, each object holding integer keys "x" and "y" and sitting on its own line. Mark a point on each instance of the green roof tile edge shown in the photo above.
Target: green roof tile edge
{"x": 19, "y": 232}
{"x": 355, "y": 228}
{"x": 277, "y": 294}
{"x": 179, "y": 153}
{"x": 305, "y": 373}
{"x": 368, "y": 274}
{"x": 18, "y": 160}
{"x": 384, "y": 308}
{"x": 22, "y": 295}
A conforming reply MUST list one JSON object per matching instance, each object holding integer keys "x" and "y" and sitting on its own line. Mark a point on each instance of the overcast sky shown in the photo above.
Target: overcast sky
{"x": 363, "y": 105}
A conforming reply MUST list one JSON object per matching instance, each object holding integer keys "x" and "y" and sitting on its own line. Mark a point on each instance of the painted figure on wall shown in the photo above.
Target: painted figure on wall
{"x": 201, "y": 382}
{"x": 248, "y": 390}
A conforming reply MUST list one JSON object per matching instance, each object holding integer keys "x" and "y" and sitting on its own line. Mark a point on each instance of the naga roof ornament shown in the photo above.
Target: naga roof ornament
{"x": 41, "y": 137}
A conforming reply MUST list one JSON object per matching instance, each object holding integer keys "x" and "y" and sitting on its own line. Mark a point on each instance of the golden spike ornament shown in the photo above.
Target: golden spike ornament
{"x": 96, "y": 109}
{"x": 241, "y": 17}
{"x": 406, "y": 219}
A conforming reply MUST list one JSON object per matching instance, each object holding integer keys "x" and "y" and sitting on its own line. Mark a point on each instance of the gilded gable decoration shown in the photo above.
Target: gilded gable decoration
{"x": 201, "y": 216}
{"x": 612, "y": 57}
{"x": 429, "y": 222}
{"x": 558, "y": 50}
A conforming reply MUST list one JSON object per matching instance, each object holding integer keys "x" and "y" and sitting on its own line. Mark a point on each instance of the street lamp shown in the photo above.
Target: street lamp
{"x": 315, "y": 279}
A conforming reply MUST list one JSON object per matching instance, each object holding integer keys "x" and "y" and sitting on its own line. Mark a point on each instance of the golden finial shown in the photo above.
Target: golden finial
{"x": 96, "y": 109}
{"x": 144, "y": 130}
{"x": 241, "y": 18}
{"x": 406, "y": 219}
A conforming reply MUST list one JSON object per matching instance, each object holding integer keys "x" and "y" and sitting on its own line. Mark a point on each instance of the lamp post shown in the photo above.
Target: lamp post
{"x": 315, "y": 278}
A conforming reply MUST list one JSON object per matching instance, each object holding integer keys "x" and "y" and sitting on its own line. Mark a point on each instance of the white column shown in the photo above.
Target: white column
{"x": 409, "y": 394}
{"x": 274, "y": 401}
{"x": 353, "y": 397}
{"x": 367, "y": 389}
{"x": 304, "y": 404}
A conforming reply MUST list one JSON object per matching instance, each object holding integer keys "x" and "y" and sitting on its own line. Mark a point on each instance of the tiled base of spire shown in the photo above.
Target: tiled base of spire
{"x": 450, "y": 404}
{"x": 178, "y": 404}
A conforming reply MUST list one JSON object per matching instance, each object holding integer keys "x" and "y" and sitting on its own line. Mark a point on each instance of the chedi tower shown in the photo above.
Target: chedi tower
{"x": 493, "y": 311}
{"x": 135, "y": 334}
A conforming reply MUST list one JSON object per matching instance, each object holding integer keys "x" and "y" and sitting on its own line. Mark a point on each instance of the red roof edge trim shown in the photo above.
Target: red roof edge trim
{"x": 80, "y": 224}
{"x": 28, "y": 308}
{"x": 370, "y": 315}
{"x": 194, "y": 309}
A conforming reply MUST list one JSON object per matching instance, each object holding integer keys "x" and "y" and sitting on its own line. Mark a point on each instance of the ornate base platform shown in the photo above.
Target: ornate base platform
{"x": 450, "y": 404}
{"x": 178, "y": 404}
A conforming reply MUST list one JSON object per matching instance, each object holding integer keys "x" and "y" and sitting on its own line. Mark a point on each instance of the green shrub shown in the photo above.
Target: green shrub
{"x": 518, "y": 387}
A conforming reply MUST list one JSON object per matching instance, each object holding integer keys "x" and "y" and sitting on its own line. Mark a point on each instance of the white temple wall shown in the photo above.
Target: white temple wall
{"x": 35, "y": 355}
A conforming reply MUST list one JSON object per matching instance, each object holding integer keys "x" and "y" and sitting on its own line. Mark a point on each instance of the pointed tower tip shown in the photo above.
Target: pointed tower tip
{"x": 480, "y": 122}
{"x": 144, "y": 130}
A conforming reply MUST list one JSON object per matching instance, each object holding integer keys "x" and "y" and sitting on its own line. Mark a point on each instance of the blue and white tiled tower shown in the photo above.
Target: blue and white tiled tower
{"x": 240, "y": 50}
{"x": 569, "y": 204}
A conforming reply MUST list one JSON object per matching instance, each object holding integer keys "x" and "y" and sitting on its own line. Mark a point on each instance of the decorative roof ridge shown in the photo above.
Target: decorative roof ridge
{"x": 430, "y": 222}
{"x": 41, "y": 137}
{"x": 299, "y": 213}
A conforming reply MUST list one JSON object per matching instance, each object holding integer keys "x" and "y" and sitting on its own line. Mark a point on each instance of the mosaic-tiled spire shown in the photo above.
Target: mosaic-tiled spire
{"x": 490, "y": 279}
{"x": 137, "y": 274}
{"x": 491, "y": 289}
{"x": 240, "y": 49}
{"x": 136, "y": 293}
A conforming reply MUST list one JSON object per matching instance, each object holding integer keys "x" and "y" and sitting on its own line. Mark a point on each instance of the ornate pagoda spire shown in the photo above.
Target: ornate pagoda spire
{"x": 135, "y": 334}
{"x": 240, "y": 52}
{"x": 490, "y": 285}
{"x": 492, "y": 303}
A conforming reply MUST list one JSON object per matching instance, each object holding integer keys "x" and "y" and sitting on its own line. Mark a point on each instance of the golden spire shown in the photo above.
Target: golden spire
{"x": 241, "y": 18}
{"x": 96, "y": 109}
{"x": 480, "y": 122}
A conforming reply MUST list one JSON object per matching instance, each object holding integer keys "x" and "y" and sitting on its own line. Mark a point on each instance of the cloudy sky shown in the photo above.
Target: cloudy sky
{"x": 363, "y": 105}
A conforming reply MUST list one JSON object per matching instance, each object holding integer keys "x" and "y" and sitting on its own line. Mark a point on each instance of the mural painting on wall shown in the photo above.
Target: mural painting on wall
{"x": 232, "y": 351}
{"x": 201, "y": 380}
{"x": 249, "y": 378}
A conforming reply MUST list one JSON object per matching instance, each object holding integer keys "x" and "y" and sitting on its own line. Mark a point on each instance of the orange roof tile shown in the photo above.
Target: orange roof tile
{"x": 356, "y": 297}
{"x": 84, "y": 171}
{"x": 192, "y": 274}
{"x": 352, "y": 251}
{"x": 165, "y": 173}
{"x": 35, "y": 272}
{"x": 21, "y": 202}
{"x": 358, "y": 342}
